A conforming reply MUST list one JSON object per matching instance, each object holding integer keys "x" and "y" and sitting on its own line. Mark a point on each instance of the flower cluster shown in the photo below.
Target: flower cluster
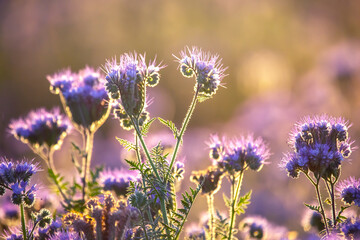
{"x": 127, "y": 80}
{"x": 41, "y": 128}
{"x": 351, "y": 228}
{"x": 349, "y": 191}
{"x": 16, "y": 177}
{"x": 239, "y": 154}
{"x": 83, "y": 95}
{"x": 117, "y": 181}
{"x": 206, "y": 68}
{"x": 312, "y": 220}
{"x": 107, "y": 218}
{"x": 320, "y": 145}
{"x": 124, "y": 118}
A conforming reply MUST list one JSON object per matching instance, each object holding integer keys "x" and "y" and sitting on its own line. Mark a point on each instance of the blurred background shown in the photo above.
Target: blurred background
{"x": 286, "y": 59}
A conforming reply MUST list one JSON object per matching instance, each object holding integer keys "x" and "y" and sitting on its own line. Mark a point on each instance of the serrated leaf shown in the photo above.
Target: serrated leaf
{"x": 145, "y": 128}
{"x": 243, "y": 202}
{"x": 313, "y": 207}
{"x": 126, "y": 144}
{"x": 170, "y": 125}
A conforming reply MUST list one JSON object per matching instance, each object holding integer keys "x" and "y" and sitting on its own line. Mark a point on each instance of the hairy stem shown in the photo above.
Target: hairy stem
{"x": 138, "y": 156}
{"x": 89, "y": 140}
{"x": 23, "y": 226}
{"x": 235, "y": 197}
{"x": 180, "y": 135}
{"x": 210, "y": 200}
{"x": 321, "y": 206}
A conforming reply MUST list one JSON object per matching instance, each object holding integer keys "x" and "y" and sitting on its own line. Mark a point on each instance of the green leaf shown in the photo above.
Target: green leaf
{"x": 313, "y": 207}
{"x": 327, "y": 201}
{"x": 126, "y": 144}
{"x": 243, "y": 202}
{"x": 227, "y": 200}
{"x": 145, "y": 128}
{"x": 170, "y": 125}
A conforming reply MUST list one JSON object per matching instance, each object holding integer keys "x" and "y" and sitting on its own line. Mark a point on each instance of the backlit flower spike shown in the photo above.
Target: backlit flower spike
{"x": 206, "y": 68}
{"x": 245, "y": 152}
{"x": 127, "y": 79}
{"x": 349, "y": 191}
{"x": 210, "y": 179}
{"x": 83, "y": 96}
{"x": 320, "y": 144}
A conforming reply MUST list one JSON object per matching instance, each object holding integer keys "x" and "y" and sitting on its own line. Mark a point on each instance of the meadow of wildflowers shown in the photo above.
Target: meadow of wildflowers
{"x": 251, "y": 131}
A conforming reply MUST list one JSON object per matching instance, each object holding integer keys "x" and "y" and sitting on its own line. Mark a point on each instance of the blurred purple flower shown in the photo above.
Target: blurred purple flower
{"x": 349, "y": 191}
{"x": 117, "y": 181}
{"x": 41, "y": 128}
{"x": 83, "y": 95}
{"x": 351, "y": 228}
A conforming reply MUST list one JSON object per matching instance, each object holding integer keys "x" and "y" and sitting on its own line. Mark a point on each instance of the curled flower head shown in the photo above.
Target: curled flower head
{"x": 206, "y": 68}
{"x": 320, "y": 145}
{"x": 117, "y": 181}
{"x": 83, "y": 95}
{"x": 124, "y": 118}
{"x": 210, "y": 179}
{"x": 349, "y": 191}
{"x": 127, "y": 80}
{"x": 41, "y": 128}
{"x": 243, "y": 153}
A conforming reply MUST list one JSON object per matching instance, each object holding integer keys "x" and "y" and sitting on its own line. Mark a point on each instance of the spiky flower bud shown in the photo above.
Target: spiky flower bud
{"x": 349, "y": 191}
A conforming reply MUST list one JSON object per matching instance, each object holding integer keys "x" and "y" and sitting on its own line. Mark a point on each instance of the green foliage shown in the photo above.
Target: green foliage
{"x": 340, "y": 218}
{"x": 221, "y": 226}
{"x": 145, "y": 128}
{"x": 58, "y": 180}
{"x": 179, "y": 217}
{"x": 313, "y": 207}
{"x": 170, "y": 125}
{"x": 243, "y": 202}
{"x": 126, "y": 144}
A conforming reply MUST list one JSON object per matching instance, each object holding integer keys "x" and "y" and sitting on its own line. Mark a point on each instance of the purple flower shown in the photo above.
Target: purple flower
{"x": 206, "y": 68}
{"x": 127, "y": 80}
{"x": 320, "y": 145}
{"x": 210, "y": 179}
{"x": 83, "y": 95}
{"x": 195, "y": 232}
{"x": 65, "y": 235}
{"x": 41, "y": 128}
{"x": 351, "y": 228}
{"x": 117, "y": 181}
{"x": 216, "y": 147}
{"x": 244, "y": 153}
{"x": 349, "y": 191}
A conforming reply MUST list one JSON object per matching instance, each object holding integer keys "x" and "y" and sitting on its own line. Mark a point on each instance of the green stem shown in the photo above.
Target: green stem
{"x": 182, "y": 131}
{"x": 23, "y": 226}
{"x": 89, "y": 139}
{"x": 32, "y": 230}
{"x": 143, "y": 179}
{"x": 162, "y": 200}
{"x": 235, "y": 199}
{"x": 332, "y": 197}
{"x": 210, "y": 200}
{"x": 136, "y": 127}
{"x": 321, "y": 206}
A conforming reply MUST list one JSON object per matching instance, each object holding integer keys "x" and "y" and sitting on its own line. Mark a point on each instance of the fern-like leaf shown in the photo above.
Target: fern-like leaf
{"x": 145, "y": 128}
{"x": 170, "y": 125}
{"x": 126, "y": 144}
{"x": 313, "y": 207}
